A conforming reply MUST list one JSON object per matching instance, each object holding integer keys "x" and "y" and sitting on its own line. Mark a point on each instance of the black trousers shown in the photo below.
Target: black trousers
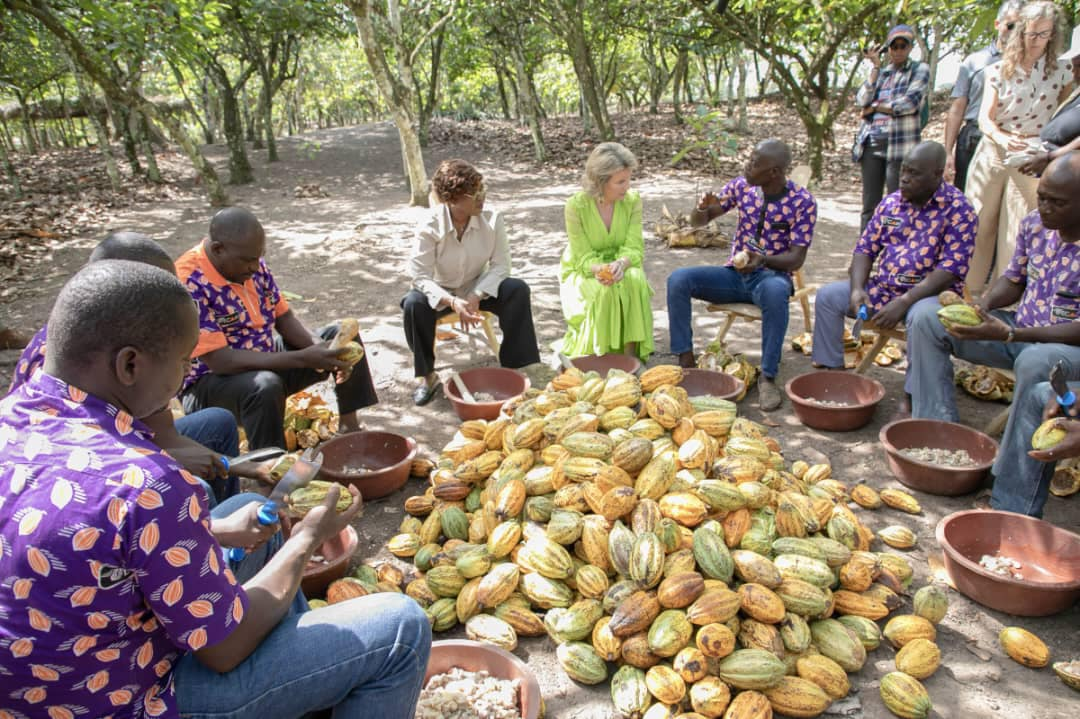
{"x": 512, "y": 306}
{"x": 877, "y": 173}
{"x": 257, "y": 398}
{"x": 966, "y": 142}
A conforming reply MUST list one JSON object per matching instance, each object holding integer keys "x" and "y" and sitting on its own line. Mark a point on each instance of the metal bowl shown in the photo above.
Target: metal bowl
{"x": 861, "y": 396}
{"x": 474, "y": 656}
{"x": 1049, "y": 560}
{"x": 938, "y": 434}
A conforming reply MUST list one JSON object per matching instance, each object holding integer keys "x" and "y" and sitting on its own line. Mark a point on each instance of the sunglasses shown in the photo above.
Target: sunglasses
{"x": 899, "y": 45}
{"x": 1010, "y": 26}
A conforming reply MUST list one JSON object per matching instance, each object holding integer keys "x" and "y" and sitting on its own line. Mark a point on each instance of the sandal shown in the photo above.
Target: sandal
{"x": 425, "y": 393}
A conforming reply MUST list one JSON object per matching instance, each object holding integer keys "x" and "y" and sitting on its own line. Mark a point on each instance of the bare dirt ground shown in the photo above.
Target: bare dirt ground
{"x": 346, "y": 254}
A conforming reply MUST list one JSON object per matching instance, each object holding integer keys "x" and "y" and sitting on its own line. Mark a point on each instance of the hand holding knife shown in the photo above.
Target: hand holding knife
{"x": 1066, "y": 398}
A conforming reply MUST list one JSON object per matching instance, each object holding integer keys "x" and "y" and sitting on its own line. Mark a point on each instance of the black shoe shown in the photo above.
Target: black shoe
{"x": 425, "y": 392}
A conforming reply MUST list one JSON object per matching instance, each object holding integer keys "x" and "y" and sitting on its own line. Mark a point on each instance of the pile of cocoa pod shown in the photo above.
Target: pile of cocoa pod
{"x": 665, "y": 544}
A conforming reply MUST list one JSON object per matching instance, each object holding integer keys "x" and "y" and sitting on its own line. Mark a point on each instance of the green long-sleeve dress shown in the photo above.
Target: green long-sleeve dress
{"x": 599, "y": 319}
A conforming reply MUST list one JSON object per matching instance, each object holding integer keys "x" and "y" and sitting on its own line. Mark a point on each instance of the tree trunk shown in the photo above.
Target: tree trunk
{"x": 102, "y": 132}
{"x": 131, "y": 151}
{"x": 743, "y": 125}
{"x": 210, "y": 109}
{"x": 240, "y": 172}
{"x": 588, "y": 80}
{"x": 816, "y": 135}
{"x": 427, "y": 107}
{"x": 153, "y": 173}
{"x": 504, "y": 103}
{"x": 397, "y": 94}
{"x": 529, "y": 104}
{"x": 678, "y": 82}
{"x": 266, "y": 106}
{"x": 10, "y": 173}
{"x": 30, "y": 142}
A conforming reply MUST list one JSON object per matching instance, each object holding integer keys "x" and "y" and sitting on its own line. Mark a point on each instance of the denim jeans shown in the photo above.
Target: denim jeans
{"x": 215, "y": 429}
{"x": 1020, "y": 482}
{"x": 930, "y": 371}
{"x": 361, "y": 658}
{"x": 768, "y": 289}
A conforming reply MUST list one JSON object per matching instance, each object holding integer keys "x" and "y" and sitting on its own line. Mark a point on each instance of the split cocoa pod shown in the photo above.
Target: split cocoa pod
{"x": 302, "y": 500}
{"x": 1048, "y": 435}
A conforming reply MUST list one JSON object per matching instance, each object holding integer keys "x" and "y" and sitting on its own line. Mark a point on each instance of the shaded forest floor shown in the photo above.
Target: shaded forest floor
{"x": 345, "y": 253}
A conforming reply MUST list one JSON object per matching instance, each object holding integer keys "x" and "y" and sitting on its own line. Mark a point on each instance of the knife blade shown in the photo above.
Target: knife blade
{"x": 1065, "y": 396}
{"x": 258, "y": 455}
{"x": 862, "y": 315}
{"x": 305, "y": 469}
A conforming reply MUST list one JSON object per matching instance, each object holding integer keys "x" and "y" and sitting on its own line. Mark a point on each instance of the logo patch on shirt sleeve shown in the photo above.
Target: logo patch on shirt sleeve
{"x": 908, "y": 279}
{"x": 890, "y": 221}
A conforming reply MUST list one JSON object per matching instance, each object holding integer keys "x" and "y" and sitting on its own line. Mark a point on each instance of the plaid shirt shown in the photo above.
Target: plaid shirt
{"x": 909, "y": 88}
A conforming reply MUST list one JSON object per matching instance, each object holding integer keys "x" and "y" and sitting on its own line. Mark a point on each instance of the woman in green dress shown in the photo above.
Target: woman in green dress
{"x": 604, "y": 292}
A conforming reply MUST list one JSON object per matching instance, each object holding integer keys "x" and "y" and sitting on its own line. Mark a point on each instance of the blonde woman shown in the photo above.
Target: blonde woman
{"x": 1022, "y": 92}
{"x": 604, "y": 292}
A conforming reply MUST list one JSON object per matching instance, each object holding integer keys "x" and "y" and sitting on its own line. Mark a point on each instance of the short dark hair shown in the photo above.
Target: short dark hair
{"x": 112, "y": 304}
{"x": 134, "y": 246}
{"x": 233, "y": 224}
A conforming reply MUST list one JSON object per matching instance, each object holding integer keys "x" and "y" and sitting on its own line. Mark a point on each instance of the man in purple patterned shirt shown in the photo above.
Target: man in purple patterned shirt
{"x": 920, "y": 238}
{"x": 1043, "y": 280}
{"x": 239, "y": 364}
{"x": 776, "y": 226}
{"x": 115, "y": 599}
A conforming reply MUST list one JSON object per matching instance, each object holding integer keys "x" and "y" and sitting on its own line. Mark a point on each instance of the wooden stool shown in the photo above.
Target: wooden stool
{"x": 752, "y": 313}
{"x": 453, "y": 320}
{"x": 883, "y": 337}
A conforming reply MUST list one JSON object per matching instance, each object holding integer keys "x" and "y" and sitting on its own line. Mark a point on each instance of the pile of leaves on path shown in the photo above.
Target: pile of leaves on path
{"x": 65, "y": 194}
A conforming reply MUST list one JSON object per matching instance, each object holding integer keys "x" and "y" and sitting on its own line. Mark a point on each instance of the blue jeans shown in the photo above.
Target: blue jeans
{"x": 768, "y": 289}
{"x": 1020, "y": 482}
{"x": 215, "y": 429}
{"x": 930, "y": 369}
{"x": 360, "y": 658}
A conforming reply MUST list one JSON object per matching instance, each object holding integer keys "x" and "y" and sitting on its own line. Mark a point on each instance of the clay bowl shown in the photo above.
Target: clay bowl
{"x": 1049, "y": 560}
{"x": 602, "y": 363}
{"x": 337, "y": 552}
{"x": 474, "y": 656}
{"x": 501, "y": 383}
{"x": 935, "y": 478}
{"x": 386, "y": 458}
{"x": 861, "y": 394}
{"x": 700, "y": 382}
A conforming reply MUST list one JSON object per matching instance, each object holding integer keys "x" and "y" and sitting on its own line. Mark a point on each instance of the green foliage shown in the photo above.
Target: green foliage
{"x": 710, "y": 131}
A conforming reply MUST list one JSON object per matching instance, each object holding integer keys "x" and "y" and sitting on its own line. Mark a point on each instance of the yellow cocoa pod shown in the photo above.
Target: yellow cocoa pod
{"x": 303, "y": 500}
{"x": 749, "y": 705}
{"x": 829, "y": 676}
{"x": 797, "y": 697}
{"x": 865, "y": 496}
{"x": 905, "y": 696}
{"x": 905, "y": 628}
{"x": 1048, "y": 435}
{"x": 1024, "y": 647}
{"x": 352, "y": 353}
{"x": 899, "y": 499}
{"x": 959, "y": 314}
{"x": 920, "y": 658}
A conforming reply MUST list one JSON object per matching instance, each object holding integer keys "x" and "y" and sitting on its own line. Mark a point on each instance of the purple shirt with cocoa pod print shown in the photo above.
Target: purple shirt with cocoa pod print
{"x": 108, "y": 570}
{"x": 1049, "y": 269}
{"x": 909, "y": 242}
{"x": 773, "y": 227}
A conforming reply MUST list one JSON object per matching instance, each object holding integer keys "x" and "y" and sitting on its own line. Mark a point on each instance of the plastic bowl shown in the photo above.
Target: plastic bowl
{"x": 337, "y": 552}
{"x": 474, "y": 656}
{"x": 938, "y": 434}
{"x": 1049, "y": 560}
{"x": 385, "y": 456}
{"x": 602, "y": 363}
{"x": 860, "y": 394}
{"x": 701, "y": 382}
{"x": 501, "y": 383}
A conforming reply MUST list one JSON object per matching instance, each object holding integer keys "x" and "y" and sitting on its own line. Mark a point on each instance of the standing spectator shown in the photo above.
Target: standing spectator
{"x": 776, "y": 225}
{"x": 1022, "y": 92}
{"x": 891, "y": 99}
{"x": 1062, "y": 134}
{"x": 962, "y": 133}
{"x": 604, "y": 292}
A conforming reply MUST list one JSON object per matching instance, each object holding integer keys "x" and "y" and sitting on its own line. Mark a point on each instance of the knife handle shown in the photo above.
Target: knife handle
{"x": 268, "y": 513}
{"x": 863, "y": 313}
{"x": 1067, "y": 400}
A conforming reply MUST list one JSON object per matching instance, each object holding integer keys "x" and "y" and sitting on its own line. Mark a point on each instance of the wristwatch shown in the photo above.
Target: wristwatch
{"x": 1011, "y": 336}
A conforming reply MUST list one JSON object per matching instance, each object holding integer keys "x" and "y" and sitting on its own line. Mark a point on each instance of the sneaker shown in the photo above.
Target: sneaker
{"x": 769, "y": 395}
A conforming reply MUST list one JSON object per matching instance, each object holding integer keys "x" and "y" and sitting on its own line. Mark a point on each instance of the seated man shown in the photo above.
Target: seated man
{"x": 238, "y": 363}
{"x": 776, "y": 225}
{"x": 1043, "y": 278}
{"x": 115, "y": 598}
{"x": 1021, "y": 474}
{"x": 921, "y": 238}
{"x": 197, "y": 441}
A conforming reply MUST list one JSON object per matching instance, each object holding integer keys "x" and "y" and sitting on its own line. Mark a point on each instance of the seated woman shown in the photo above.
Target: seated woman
{"x": 604, "y": 292}
{"x": 461, "y": 263}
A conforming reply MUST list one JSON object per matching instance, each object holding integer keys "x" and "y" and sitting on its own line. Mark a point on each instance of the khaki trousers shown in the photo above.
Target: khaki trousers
{"x": 1002, "y": 196}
